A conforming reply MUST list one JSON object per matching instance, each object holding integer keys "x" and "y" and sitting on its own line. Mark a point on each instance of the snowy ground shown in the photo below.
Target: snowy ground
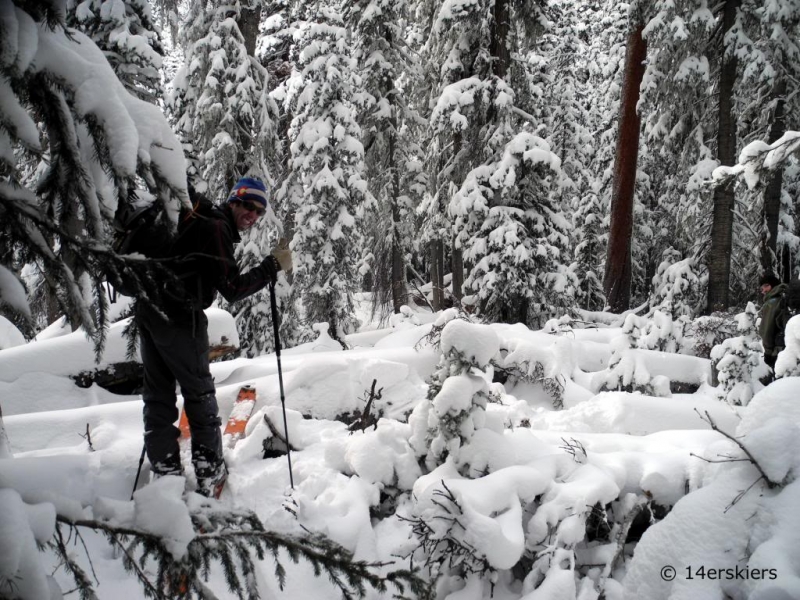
{"x": 523, "y": 484}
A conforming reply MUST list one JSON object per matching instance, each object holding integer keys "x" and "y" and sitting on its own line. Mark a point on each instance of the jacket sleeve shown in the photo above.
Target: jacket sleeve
{"x": 230, "y": 282}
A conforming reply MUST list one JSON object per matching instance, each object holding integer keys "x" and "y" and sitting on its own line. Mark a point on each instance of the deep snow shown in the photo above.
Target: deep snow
{"x": 533, "y": 473}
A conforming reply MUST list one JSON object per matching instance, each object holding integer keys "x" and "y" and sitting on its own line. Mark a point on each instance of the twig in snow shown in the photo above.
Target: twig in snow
{"x": 88, "y": 437}
{"x": 770, "y": 484}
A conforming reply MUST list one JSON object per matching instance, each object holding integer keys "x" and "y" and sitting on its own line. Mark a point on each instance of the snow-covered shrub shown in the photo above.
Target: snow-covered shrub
{"x": 457, "y": 394}
{"x": 662, "y": 333}
{"x": 678, "y": 285}
{"x": 626, "y": 370}
{"x": 788, "y": 363}
{"x": 708, "y": 331}
{"x": 563, "y": 325}
{"x": 405, "y": 319}
{"x": 532, "y": 363}
{"x": 735, "y": 359}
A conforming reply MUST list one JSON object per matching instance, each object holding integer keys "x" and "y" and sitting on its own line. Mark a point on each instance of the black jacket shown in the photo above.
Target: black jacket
{"x": 205, "y": 261}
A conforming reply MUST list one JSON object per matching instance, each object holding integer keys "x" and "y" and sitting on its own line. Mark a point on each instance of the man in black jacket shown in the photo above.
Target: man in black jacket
{"x": 178, "y": 349}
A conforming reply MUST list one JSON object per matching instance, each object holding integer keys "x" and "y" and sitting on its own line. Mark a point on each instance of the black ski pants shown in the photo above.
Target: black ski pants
{"x": 176, "y": 351}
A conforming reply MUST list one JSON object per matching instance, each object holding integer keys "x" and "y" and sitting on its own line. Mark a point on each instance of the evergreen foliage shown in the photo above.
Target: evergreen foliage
{"x": 735, "y": 358}
{"x": 126, "y": 32}
{"x": 389, "y": 126}
{"x": 575, "y": 109}
{"x": 458, "y": 392}
{"x": 325, "y": 188}
{"x": 678, "y": 285}
{"x": 231, "y": 539}
{"x": 788, "y": 362}
{"x": 515, "y": 234}
{"x": 94, "y": 153}
{"x": 220, "y": 103}
{"x": 626, "y": 372}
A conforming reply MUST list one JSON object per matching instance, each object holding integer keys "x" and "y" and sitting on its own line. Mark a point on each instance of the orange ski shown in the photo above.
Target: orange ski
{"x": 242, "y": 409}
{"x": 183, "y": 425}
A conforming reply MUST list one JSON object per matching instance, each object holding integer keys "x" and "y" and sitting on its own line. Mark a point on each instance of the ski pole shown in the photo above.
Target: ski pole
{"x": 139, "y": 470}
{"x": 280, "y": 376}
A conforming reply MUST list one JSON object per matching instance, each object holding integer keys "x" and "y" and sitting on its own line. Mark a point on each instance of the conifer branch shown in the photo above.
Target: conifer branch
{"x": 231, "y": 539}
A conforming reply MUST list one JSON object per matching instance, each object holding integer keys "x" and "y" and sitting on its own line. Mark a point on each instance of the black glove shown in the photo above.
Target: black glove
{"x": 270, "y": 266}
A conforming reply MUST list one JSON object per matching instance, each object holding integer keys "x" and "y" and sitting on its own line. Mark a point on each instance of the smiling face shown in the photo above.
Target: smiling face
{"x": 246, "y": 213}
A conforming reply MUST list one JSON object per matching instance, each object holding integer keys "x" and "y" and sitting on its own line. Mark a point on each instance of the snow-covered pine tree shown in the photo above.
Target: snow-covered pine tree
{"x": 515, "y": 235}
{"x": 388, "y": 123}
{"x": 126, "y": 32}
{"x": 325, "y": 187}
{"x": 219, "y": 101}
{"x": 457, "y": 393}
{"x": 678, "y": 132}
{"x": 469, "y": 48}
{"x": 678, "y": 285}
{"x": 570, "y": 121}
{"x": 735, "y": 358}
{"x": 104, "y": 149}
{"x": 767, "y": 101}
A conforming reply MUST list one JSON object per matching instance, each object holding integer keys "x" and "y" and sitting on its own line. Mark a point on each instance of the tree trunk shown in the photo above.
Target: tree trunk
{"x": 772, "y": 194}
{"x": 398, "y": 276}
{"x": 457, "y": 266}
{"x": 437, "y": 275}
{"x": 617, "y": 282}
{"x": 719, "y": 260}
{"x": 498, "y": 47}
{"x": 249, "y": 19}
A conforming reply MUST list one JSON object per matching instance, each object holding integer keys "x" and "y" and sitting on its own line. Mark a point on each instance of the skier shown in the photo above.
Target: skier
{"x": 177, "y": 349}
{"x": 773, "y": 318}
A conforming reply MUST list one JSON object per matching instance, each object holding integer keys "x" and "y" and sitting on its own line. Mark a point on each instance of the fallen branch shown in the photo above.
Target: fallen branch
{"x": 770, "y": 484}
{"x": 277, "y": 434}
{"x": 622, "y": 535}
{"x": 366, "y": 418}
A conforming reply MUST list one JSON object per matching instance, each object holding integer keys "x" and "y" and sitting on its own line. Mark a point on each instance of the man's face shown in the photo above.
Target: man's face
{"x": 765, "y": 289}
{"x": 246, "y": 213}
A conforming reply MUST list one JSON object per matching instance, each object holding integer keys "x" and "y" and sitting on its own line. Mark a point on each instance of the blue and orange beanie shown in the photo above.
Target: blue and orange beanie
{"x": 249, "y": 188}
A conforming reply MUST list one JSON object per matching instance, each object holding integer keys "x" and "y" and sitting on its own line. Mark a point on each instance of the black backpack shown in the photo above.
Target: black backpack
{"x": 148, "y": 231}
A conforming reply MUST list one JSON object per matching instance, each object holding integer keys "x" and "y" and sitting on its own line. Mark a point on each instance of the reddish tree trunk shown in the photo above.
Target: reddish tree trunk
{"x": 617, "y": 283}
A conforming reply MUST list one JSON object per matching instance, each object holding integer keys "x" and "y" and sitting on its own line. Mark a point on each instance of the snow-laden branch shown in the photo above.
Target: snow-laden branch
{"x": 758, "y": 159}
